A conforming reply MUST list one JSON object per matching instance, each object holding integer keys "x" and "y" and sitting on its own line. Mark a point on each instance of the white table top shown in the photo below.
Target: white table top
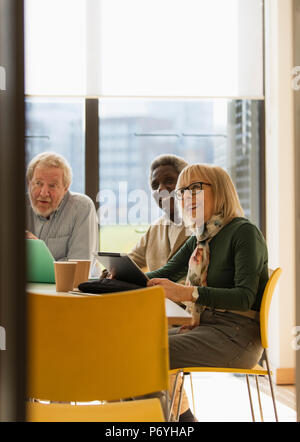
{"x": 175, "y": 314}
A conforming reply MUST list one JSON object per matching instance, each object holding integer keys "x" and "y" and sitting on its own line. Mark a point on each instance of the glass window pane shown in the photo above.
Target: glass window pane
{"x": 134, "y": 132}
{"x": 57, "y": 125}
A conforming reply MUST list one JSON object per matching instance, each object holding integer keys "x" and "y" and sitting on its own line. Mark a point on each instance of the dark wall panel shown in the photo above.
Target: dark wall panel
{"x": 12, "y": 219}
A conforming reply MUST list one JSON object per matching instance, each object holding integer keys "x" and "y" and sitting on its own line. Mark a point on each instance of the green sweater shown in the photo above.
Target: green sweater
{"x": 237, "y": 271}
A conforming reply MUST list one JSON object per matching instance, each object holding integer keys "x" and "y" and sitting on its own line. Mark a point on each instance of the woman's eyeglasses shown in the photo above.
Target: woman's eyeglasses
{"x": 192, "y": 189}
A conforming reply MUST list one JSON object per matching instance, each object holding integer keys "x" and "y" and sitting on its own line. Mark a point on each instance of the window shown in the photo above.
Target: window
{"x": 222, "y": 132}
{"x": 55, "y": 47}
{"x": 171, "y": 76}
{"x": 57, "y": 125}
{"x": 169, "y": 48}
{"x": 180, "y": 48}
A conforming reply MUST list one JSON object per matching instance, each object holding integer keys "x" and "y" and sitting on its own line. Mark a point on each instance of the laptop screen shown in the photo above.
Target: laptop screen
{"x": 40, "y": 267}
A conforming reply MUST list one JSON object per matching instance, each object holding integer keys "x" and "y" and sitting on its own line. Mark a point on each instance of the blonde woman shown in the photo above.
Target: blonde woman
{"x": 227, "y": 264}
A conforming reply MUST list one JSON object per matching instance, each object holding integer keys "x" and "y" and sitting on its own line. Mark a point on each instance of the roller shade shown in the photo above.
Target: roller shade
{"x": 163, "y": 48}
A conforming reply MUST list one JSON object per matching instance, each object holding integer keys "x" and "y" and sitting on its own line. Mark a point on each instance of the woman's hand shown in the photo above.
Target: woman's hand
{"x": 106, "y": 275}
{"x": 175, "y": 292}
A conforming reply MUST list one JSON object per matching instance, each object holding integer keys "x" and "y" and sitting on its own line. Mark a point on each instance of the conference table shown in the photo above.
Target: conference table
{"x": 176, "y": 315}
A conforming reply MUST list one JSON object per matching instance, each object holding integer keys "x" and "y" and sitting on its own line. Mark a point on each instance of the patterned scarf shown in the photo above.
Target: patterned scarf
{"x": 199, "y": 262}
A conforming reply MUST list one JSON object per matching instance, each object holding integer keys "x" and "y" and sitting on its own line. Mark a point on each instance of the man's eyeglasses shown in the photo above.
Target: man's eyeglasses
{"x": 193, "y": 190}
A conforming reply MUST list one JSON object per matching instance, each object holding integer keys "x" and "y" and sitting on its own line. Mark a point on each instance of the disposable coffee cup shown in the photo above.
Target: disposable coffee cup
{"x": 64, "y": 275}
{"x": 82, "y": 271}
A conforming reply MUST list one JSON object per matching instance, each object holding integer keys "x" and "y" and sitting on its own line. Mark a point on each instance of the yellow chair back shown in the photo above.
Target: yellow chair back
{"x": 90, "y": 348}
{"x": 265, "y": 305}
{"x": 145, "y": 410}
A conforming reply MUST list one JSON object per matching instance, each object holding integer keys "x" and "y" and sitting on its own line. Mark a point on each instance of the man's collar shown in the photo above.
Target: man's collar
{"x": 63, "y": 202}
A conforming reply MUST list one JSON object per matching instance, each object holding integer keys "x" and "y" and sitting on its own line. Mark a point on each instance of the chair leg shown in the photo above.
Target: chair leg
{"x": 250, "y": 398}
{"x": 192, "y": 390}
{"x": 271, "y": 386}
{"x": 259, "y": 401}
{"x": 180, "y": 398}
{"x": 166, "y": 405}
{"x": 173, "y": 396}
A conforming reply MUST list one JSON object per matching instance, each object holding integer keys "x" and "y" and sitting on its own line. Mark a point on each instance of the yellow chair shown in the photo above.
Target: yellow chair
{"x": 144, "y": 410}
{"x": 97, "y": 348}
{"x": 257, "y": 370}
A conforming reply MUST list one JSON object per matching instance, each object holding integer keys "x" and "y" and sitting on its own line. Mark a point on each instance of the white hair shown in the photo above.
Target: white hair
{"x": 50, "y": 159}
{"x": 168, "y": 160}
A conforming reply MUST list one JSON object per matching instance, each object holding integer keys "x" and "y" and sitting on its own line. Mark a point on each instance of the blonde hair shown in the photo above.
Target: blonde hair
{"x": 226, "y": 199}
{"x": 50, "y": 159}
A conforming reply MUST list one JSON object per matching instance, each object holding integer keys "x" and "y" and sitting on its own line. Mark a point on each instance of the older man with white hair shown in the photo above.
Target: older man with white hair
{"x": 66, "y": 221}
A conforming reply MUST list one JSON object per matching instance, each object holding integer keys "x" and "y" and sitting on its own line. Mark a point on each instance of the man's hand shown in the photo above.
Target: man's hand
{"x": 175, "y": 292}
{"x": 29, "y": 235}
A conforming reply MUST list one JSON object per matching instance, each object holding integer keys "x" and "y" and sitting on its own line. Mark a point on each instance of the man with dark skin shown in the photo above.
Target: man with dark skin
{"x": 165, "y": 237}
{"x": 163, "y": 180}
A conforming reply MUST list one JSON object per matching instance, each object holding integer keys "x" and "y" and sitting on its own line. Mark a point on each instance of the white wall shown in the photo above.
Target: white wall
{"x": 280, "y": 191}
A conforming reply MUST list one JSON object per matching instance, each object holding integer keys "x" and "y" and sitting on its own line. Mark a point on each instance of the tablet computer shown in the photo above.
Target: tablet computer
{"x": 123, "y": 268}
{"x": 40, "y": 267}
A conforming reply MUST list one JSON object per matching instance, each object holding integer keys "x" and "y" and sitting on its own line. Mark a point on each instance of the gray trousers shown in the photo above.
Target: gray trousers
{"x": 222, "y": 339}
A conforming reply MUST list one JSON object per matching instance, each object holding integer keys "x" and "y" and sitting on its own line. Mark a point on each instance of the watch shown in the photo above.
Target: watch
{"x": 195, "y": 294}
